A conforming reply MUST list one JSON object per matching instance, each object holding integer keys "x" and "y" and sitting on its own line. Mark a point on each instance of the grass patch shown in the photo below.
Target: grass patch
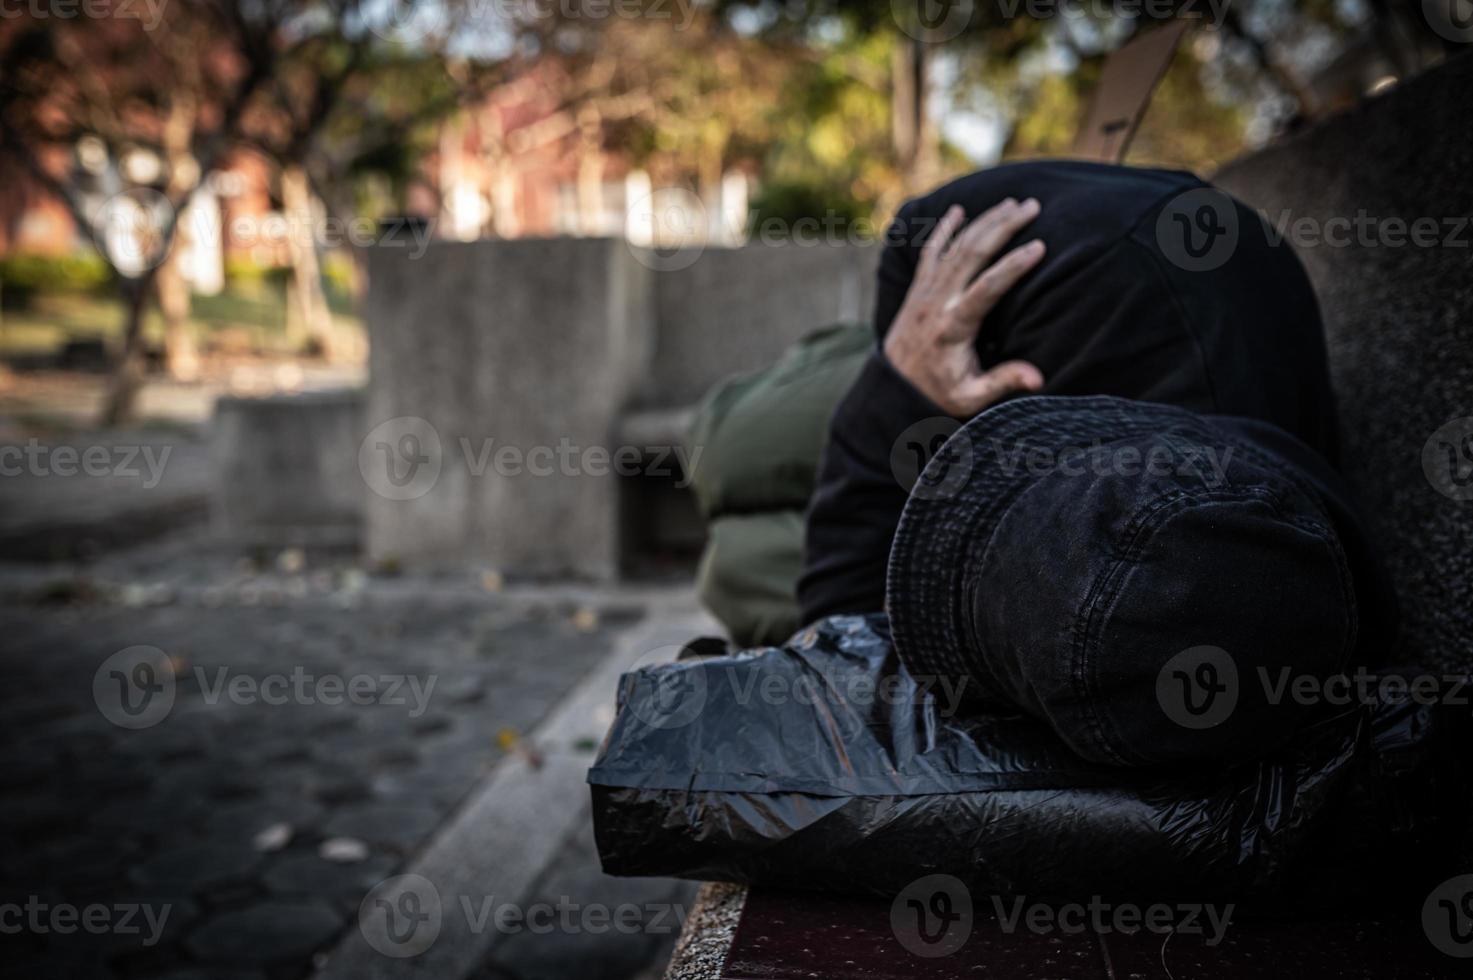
{"x": 256, "y": 313}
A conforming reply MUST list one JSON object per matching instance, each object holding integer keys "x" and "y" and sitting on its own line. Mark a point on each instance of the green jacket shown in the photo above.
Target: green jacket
{"x": 760, "y": 436}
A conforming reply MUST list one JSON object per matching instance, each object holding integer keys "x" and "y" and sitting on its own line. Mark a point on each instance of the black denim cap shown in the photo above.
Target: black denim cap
{"x": 1149, "y": 580}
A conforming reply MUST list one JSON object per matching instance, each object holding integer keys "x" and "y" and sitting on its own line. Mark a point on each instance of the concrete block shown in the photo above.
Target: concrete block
{"x": 498, "y": 370}
{"x": 285, "y": 468}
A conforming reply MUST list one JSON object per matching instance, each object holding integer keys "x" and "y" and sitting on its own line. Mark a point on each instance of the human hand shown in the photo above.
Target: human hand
{"x": 931, "y": 342}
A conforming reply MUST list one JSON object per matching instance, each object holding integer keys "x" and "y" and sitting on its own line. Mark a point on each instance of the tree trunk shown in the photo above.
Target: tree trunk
{"x": 590, "y": 172}
{"x": 336, "y": 203}
{"x": 710, "y": 168}
{"x": 927, "y": 168}
{"x": 313, "y": 320}
{"x": 181, "y": 358}
{"x": 181, "y": 355}
{"x": 903, "y": 133}
{"x": 120, "y": 405}
{"x": 916, "y": 148}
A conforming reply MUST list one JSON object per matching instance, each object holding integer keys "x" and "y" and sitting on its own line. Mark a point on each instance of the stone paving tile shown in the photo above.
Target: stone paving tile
{"x": 394, "y": 825}
{"x": 217, "y": 815}
{"x": 309, "y": 874}
{"x": 266, "y": 933}
{"x": 196, "y": 868}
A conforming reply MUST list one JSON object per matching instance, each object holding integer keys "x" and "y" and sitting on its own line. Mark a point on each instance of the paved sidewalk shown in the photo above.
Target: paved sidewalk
{"x": 512, "y": 880}
{"x": 235, "y": 834}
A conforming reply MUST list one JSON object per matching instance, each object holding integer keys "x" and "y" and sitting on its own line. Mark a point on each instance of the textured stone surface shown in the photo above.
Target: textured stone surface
{"x": 1397, "y": 317}
{"x": 738, "y": 309}
{"x": 196, "y": 867}
{"x": 604, "y": 928}
{"x": 140, "y": 484}
{"x": 529, "y": 346}
{"x": 266, "y": 933}
{"x": 286, "y": 468}
{"x": 310, "y": 874}
{"x": 392, "y": 824}
{"x": 708, "y": 932}
{"x": 168, "y": 816}
{"x": 508, "y": 846}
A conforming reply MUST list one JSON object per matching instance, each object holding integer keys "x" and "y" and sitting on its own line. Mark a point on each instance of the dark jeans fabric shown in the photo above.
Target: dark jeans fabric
{"x": 1152, "y": 601}
{"x": 1107, "y": 313}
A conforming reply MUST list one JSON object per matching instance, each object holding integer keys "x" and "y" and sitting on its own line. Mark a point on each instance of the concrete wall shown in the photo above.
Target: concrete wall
{"x": 528, "y": 344}
{"x": 484, "y": 358}
{"x": 738, "y": 309}
{"x": 1399, "y": 316}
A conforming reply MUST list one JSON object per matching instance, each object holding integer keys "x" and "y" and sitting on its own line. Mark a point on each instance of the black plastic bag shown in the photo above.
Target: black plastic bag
{"x": 824, "y": 765}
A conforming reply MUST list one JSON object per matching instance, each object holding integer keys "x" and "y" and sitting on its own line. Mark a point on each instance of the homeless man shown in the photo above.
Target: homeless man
{"x": 1118, "y": 387}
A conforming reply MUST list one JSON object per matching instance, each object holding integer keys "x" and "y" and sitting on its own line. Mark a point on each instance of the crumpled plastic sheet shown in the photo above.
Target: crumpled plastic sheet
{"x": 824, "y": 765}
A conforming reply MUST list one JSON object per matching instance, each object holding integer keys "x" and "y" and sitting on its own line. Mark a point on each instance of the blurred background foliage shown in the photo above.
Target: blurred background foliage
{"x": 364, "y": 110}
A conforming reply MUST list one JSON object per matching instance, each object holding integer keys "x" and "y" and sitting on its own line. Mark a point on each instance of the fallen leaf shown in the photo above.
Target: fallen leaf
{"x": 343, "y": 850}
{"x": 272, "y": 838}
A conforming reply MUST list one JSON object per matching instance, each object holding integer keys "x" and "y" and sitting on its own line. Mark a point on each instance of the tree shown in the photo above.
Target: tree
{"x": 209, "y": 77}
{"x": 83, "y": 102}
{"x": 1035, "y": 72}
{"x": 363, "y": 160}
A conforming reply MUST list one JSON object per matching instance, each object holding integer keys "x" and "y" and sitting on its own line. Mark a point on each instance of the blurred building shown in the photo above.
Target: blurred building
{"x": 521, "y": 164}
{"x": 516, "y": 164}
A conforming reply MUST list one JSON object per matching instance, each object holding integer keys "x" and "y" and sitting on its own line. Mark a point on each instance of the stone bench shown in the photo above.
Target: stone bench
{"x": 733, "y": 933}
{"x": 285, "y": 469}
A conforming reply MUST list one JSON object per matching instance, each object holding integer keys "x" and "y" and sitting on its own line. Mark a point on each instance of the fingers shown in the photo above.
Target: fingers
{"x": 940, "y": 238}
{"x": 931, "y": 341}
{"x": 981, "y": 296}
{"x": 992, "y": 386}
{"x": 984, "y": 238}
